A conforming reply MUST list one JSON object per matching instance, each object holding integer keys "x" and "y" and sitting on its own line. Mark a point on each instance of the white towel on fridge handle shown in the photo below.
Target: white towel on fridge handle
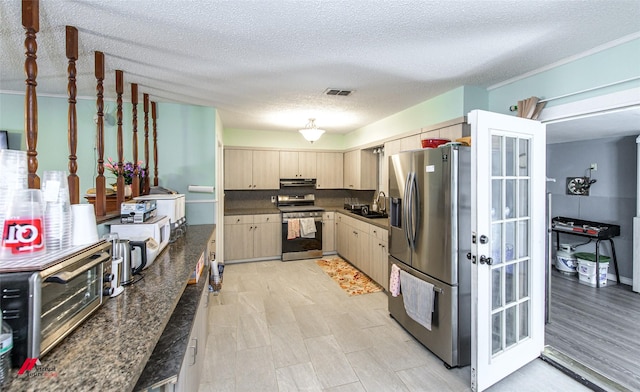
{"x": 307, "y": 228}
{"x": 418, "y": 297}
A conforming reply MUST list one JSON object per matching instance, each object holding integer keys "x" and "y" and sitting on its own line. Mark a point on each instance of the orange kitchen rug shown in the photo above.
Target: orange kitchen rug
{"x": 348, "y": 277}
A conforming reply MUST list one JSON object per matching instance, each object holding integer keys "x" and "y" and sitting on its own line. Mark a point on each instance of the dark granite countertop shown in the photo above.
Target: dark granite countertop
{"x": 109, "y": 351}
{"x": 164, "y": 364}
{"x": 380, "y": 222}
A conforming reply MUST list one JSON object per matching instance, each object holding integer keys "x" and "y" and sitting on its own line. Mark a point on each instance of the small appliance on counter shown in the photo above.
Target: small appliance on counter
{"x": 172, "y": 206}
{"x": 123, "y": 250}
{"x": 143, "y": 252}
{"x": 158, "y": 229}
{"x": 44, "y": 298}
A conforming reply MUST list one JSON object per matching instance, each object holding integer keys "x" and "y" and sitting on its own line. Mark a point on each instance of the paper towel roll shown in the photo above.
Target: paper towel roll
{"x": 201, "y": 189}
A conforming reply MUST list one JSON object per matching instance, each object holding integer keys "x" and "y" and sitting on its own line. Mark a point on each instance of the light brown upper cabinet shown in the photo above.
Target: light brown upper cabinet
{"x": 251, "y": 169}
{"x": 330, "y": 170}
{"x": 297, "y": 164}
{"x": 360, "y": 170}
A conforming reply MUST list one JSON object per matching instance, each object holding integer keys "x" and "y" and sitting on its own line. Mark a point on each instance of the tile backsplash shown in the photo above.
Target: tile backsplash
{"x": 262, "y": 199}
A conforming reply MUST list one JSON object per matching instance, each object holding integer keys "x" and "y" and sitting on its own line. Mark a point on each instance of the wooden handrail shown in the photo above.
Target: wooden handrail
{"x": 101, "y": 198}
{"x": 135, "y": 183}
{"x": 72, "y": 132}
{"x": 155, "y": 144}
{"x": 31, "y": 24}
{"x": 120, "y": 148}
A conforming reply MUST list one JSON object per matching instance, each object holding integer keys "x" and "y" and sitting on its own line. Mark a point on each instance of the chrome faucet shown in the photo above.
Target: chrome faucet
{"x": 381, "y": 207}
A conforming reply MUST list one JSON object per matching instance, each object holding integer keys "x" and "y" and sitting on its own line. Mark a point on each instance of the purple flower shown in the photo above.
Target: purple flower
{"x": 128, "y": 170}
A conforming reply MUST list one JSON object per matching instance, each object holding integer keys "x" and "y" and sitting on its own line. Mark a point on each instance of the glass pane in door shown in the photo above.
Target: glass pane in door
{"x": 510, "y": 248}
{"x": 496, "y": 333}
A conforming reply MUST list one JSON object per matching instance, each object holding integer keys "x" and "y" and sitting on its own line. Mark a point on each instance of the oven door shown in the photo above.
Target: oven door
{"x": 65, "y": 295}
{"x": 301, "y": 247}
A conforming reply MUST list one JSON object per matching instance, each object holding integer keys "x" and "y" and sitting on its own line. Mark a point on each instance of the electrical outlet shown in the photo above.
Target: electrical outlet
{"x": 273, "y": 199}
{"x": 594, "y": 166}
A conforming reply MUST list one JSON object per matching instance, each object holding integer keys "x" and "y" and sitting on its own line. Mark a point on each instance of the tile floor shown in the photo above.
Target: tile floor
{"x": 286, "y": 326}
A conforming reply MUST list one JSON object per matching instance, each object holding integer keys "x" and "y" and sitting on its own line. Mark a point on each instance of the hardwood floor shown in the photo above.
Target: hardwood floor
{"x": 286, "y": 326}
{"x": 597, "y": 327}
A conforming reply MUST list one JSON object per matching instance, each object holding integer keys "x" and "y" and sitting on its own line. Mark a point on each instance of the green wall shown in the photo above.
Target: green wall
{"x": 280, "y": 139}
{"x": 444, "y": 107}
{"x": 607, "y": 66}
{"x": 186, "y": 141}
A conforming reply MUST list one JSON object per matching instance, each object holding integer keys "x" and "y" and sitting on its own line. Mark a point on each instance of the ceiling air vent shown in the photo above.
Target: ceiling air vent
{"x": 337, "y": 91}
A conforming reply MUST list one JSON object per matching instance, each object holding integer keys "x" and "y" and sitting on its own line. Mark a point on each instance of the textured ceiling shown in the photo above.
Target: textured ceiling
{"x": 265, "y": 64}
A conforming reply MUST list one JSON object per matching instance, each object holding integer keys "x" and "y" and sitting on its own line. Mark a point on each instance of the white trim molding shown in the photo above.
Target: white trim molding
{"x": 607, "y": 103}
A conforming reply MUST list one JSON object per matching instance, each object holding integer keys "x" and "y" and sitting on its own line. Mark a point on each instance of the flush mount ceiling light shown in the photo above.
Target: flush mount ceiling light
{"x": 311, "y": 132}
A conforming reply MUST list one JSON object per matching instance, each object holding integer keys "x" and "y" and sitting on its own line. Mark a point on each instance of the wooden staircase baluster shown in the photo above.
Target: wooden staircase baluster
{"x": 31, "y": 23}
{"x": 72, "y": 132}
{"x": 155, "y": 144}
{"x": 146, "y": 144}
{"x": 120, "y": 148}
{"x": 135, "y": 183}
{"x": 101, "y": 198}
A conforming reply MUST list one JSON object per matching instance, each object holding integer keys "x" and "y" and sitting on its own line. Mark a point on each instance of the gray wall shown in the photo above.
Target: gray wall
{"x": 612, "y": 198}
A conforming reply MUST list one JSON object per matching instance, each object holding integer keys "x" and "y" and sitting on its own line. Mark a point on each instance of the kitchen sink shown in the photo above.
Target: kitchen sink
{"x": 375, "y": 215}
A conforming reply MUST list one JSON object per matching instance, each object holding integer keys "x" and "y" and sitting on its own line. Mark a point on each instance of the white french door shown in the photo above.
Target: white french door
{"x": 508, "y": 252}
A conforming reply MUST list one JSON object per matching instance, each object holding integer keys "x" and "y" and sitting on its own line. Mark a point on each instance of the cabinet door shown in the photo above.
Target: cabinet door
{"x": 410, "y": 143}
{"x": 266, "y": 236}
{"x": 384, "y": 262}
{"x": 363, "y": 251}
{"x": 350, "y": 163}
{"x": 367, "y": 170}
{"x": 390, "y": 148}
{"x": 266, "y": 170}
{"x": 238, "y": 169}
{"x": 456, "y": 131}
{"x": 307, "y": 164}
{"x": 342, "y": 236}
{"x": 289, "y": 164}
{"x": 328, "y": 235}
{"x": 238, "y": 241}
{"x": 192, "y": 363}
{"x": 330, "y": 170}
{"x": 379, "y": 256}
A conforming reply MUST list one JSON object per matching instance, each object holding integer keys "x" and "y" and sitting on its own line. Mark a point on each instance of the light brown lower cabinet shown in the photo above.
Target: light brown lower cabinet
{"x": 364, "y": 245}
{"x": 192, "y": 364}
{"x": 252, "y": 237}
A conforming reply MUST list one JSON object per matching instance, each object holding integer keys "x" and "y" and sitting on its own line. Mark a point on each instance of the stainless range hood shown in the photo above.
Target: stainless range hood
{"x": 297, "y": 182}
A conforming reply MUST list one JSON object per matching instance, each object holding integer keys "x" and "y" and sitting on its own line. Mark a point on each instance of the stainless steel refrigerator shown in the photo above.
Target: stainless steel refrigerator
{"x": 429, "y": 238}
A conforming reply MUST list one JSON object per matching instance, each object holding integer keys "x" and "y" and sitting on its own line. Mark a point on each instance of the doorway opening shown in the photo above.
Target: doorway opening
{"x": 592, "y": 332}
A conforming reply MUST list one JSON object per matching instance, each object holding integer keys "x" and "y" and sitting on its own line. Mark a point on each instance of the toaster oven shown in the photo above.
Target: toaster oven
{"x": 44, "y": 299}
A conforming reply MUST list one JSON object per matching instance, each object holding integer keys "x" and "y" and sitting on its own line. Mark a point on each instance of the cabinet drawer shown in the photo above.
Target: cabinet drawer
{"x": 329, "y": 216}
{"x": 378, "y": 233}
{"x": 238, "y": 219}
{"x": 267, "y": 218}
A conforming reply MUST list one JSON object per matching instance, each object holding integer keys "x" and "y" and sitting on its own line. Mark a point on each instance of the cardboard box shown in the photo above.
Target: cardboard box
{"x": 137, "y": 217}
{"x": 137, "y": 206}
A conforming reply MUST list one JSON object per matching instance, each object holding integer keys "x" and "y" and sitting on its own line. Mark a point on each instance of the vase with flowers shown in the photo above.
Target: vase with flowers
{"x": 128, "y": 171}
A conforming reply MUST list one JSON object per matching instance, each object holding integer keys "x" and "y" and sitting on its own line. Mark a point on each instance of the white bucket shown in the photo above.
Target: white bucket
{"x": 587, "y": 272}
{"x": 566, "y": 261}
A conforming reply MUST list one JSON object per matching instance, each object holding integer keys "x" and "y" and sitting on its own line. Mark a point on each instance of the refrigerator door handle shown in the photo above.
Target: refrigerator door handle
{"x": 405, "y": 209}
{"x": 414, "y": 204}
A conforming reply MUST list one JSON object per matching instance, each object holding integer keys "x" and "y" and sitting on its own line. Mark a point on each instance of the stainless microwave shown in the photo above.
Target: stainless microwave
{"x": 44, "y": 306}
